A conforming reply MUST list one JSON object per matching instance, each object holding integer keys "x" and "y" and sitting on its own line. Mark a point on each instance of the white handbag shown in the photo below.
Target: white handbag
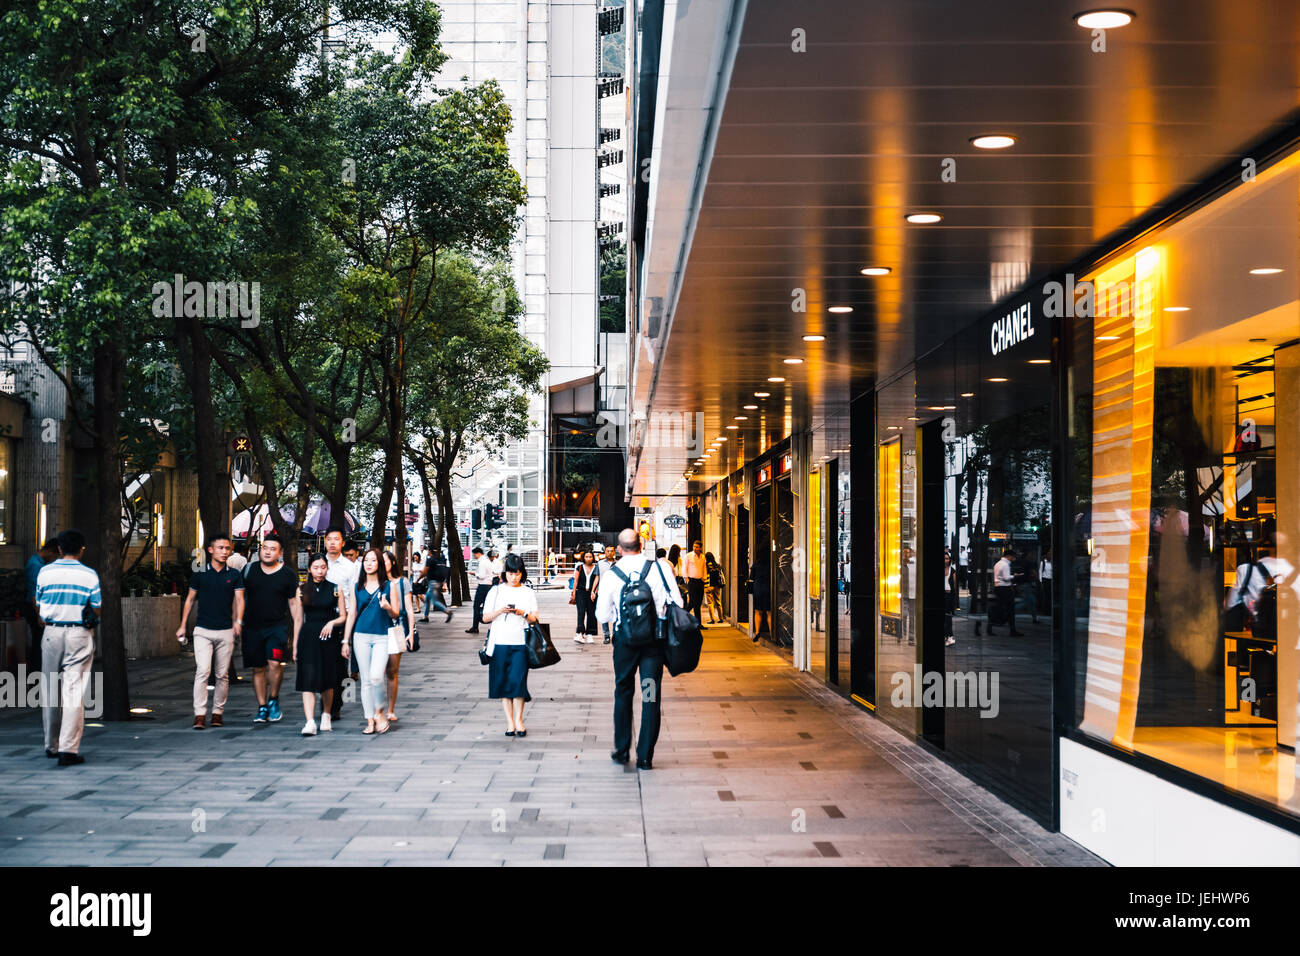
{"x": 396, "y": 633}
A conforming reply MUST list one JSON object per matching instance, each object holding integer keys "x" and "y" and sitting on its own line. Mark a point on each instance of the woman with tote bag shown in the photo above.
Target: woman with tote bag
{"x": 401, "y": 633}
{"x": 508, "y": 609}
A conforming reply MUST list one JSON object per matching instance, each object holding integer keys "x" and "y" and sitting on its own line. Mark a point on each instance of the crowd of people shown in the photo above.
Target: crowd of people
{"x": 354, "y": 616}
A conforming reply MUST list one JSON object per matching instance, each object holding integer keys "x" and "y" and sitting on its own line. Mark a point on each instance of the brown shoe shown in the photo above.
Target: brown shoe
{"x": 217, "y": 721}
{"x": 198, "y": 722}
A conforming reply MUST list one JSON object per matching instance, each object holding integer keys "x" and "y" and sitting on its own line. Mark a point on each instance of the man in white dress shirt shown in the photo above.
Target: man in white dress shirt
{"x": 1004, "y": 591}
{"x": 342, "y": 574}
{"x": 483, "y": 580}
{"x": 648, "y": 659}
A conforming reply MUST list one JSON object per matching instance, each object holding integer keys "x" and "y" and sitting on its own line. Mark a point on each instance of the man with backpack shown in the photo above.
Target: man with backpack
{"x": 634, "y": 605}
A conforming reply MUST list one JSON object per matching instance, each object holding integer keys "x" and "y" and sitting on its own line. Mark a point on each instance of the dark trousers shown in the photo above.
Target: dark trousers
{"x": 1005, "y": 599}
{"x": 649, "y": 662}
{"x": 695, "y": 597}
{"x": 480, "y": 595}
{"x": 35, "y": 628}
{"x": 341, "y": 667}
{"x": 586, "y": 614}
{"x": 433, "y": 600}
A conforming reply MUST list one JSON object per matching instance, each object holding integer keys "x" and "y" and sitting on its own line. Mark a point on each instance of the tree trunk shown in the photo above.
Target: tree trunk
{"x": 109, "y": 369}
{"x": 399, "y": 529}
{"x": 209, "y": 442}
{"x": 455, "y": 552}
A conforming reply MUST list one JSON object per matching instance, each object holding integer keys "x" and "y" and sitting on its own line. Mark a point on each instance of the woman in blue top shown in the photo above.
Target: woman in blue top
{"x": 369, "y": 616}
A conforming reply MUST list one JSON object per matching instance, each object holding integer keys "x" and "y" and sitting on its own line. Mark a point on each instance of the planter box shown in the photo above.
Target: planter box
{"x": 149, "y": 625}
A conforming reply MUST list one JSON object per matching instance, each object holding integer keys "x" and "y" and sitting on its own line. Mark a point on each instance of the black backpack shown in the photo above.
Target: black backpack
{"x": 637, "y": 620}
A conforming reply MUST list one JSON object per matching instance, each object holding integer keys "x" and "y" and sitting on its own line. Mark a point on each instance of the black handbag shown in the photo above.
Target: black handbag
{"x": 681, "y": 636}
{"x": 483, "y": 657}
{"x": 537, "y": 643}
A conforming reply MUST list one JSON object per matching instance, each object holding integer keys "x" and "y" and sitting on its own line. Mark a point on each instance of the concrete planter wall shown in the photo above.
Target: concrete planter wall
{"x": 149, "y": 625}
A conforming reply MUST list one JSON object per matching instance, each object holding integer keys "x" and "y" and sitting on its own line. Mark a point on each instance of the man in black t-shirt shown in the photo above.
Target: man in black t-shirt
{"x": 271, "y": 599}
{"x": 220, "y": 593}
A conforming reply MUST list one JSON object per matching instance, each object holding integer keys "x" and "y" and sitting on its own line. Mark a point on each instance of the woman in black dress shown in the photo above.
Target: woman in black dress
{"x": 318, "y": 644}
{"x": 760, "y": 583}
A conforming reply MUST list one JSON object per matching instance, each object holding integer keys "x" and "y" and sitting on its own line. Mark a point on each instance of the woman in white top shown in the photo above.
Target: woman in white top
{"x": 508, "y": 609}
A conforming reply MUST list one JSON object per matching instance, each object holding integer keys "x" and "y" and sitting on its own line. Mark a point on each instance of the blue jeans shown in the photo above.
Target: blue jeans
{"x": 372, "y": 658}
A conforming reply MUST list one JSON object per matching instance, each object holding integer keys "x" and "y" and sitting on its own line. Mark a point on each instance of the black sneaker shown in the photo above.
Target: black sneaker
{"x": 53, "y": 754}
{"x": 70, "y": 760}
{"x": 643, "y": 765}
{"x": 262, "y": 713}
{"x": 619, "y": 756}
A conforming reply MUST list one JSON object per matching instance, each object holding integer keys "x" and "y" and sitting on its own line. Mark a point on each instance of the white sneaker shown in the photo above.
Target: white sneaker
{"x": 325, "y": 722}
{"x": 590, "y": 639}
{"x": 577, "y": 639}
{"x": 950, "y": 642}
{"x": 309, "y": 728}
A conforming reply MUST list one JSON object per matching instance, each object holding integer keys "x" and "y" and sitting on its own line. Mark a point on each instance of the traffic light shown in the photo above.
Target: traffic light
{"x": 494, "y": 516}
{"x": 476, "y": 519}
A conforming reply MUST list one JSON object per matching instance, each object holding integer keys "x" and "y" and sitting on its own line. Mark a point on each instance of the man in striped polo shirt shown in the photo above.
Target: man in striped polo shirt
{"x": 64, "y": 588}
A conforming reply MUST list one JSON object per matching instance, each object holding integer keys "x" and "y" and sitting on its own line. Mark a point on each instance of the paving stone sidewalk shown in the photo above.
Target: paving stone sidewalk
{"x": 756, "y": 765}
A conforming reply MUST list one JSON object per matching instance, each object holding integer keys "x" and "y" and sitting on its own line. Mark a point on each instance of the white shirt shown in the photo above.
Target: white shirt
{"x": 1258, "y": 581}
{"x": 1044, "y": 570}
{"x": 508, "y": 629}
{"x": 483, "y": 573}
{"x": 693, "y": 566}
{"x": 498, "y": 567}
{"x": 342, "y": 574}
{"x": 631, "y": 565}
{"x": 236, "y": 561}
{"x": 1002, "y": 576}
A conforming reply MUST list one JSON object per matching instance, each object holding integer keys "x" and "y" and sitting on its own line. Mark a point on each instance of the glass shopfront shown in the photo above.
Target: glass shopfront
{"x": 1183, "y": 560}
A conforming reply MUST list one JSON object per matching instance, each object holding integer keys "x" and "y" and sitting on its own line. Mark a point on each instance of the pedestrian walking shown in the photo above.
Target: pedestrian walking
{"x": 400, "y": 597}
{"x": 675, "y": 562}
{"x": 67, "y": 597}
{"x": 342, "y": 573}
{"x": 509, "y": 609}
{"x": 271, "y": 608}
{"x": 438, "y": 574}
{"x": 318, "y": 644}
{"x": 48, "y": 552}
{"x": 483, "y": 582}
{"x": 760, "y": 589}
{"x": 949, "y": 598}
{"x": 369, "y": 618}
{"x": 1045, "y": 583}
{"x": 219, "y": 592}
{"x": 419, "y": 582}
{"x": 632, "y": 658}
{"x": 695, "y": 570}
{"x": 602, "y": 567}
{"x": 714, "y": 582}
{"x": 498, "y": 567}
{"x": 585, "y": 578}
{"x": 1004, "y": 593}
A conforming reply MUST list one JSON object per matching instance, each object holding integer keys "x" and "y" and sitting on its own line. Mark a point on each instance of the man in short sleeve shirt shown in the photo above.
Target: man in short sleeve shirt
{"x": 219, "y": 591}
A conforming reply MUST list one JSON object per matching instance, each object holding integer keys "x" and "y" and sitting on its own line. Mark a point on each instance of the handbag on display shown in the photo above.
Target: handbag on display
{"x": 537, "y": 643}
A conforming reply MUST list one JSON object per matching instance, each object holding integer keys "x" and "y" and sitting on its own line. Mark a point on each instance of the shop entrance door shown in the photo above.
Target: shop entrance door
{"x": 740, "y": 569}
{"x": 783, "y": 564}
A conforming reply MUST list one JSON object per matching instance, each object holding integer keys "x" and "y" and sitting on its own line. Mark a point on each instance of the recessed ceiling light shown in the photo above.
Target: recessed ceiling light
{"x": 1040, "y": 361}
{"x": 1108, "y": 338}
{"x": 923, "y": 218}
{"x": 775, "y": 378}
{"x": 913, "y": 418}
{"x": 742, "y": 418}
{"x": 762, "y": 394}
{"x": 967, "y": 394}
{"x": 840, "y": 309}
{"x": 995, "y": 380}
{"x": 993, "y": 141}
{"x": 721, "y": 438}
{"x": 1265, "y": 272}
{"x": 814, "y": 338}
{"x": 875, "y": 271}
{"x": 141, "y": 710}
{"x": 895, "y": 428}
{"x": 1104, "y": 19}
{"x": 793, "y": 361}
{"x": 750, "y": 408}
{"x": 1176, "y": 308}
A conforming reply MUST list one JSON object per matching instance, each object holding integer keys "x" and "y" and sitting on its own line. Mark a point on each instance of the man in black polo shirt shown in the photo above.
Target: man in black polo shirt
{"x": 220, "y": 593}
{"x": 271, "y": 599}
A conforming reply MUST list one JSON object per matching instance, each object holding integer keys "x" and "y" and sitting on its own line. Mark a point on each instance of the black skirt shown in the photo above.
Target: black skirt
{"x": 319, "y": 662}
{"x": 508, "y": 672}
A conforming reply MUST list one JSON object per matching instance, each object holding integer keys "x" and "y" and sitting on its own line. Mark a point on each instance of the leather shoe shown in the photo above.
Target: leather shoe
{"x": 471, "y": 630}
{"x": 217, "y": 720}
{"x": 51, "y": 753}
{"x": 643, "y": 765}
{"x": 619, "y": 756}
{"x": 199, "y": 722}
{"x": 70, "y": 760}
